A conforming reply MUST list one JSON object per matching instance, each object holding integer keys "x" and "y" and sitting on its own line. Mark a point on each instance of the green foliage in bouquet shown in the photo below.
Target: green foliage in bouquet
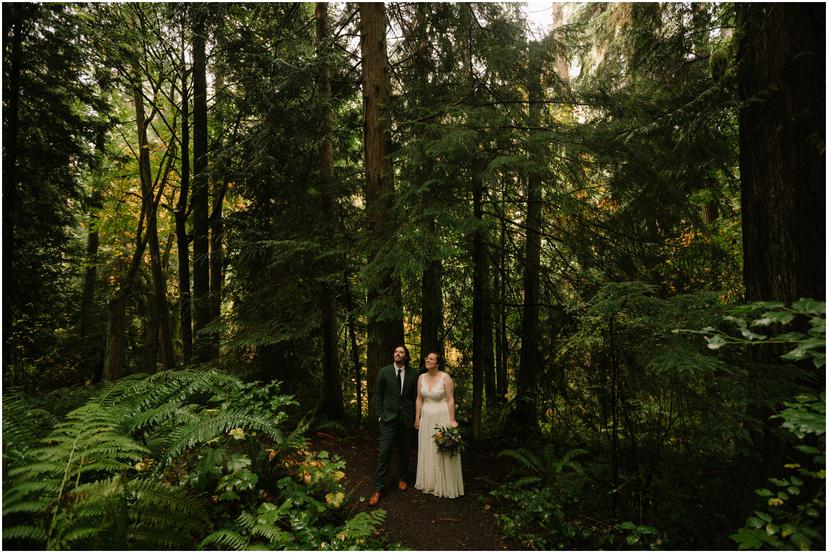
{"x": 448, "y": 440}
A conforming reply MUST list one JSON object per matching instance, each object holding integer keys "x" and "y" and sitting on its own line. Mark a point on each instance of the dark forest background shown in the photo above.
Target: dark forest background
{"x": 220, "y": 219}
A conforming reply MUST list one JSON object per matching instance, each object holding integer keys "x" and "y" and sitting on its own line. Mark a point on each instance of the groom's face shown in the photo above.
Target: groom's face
{"x": 399, "y": 356}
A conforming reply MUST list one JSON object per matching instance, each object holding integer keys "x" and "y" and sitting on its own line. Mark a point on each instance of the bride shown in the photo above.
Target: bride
{"x": 437, "y": 473}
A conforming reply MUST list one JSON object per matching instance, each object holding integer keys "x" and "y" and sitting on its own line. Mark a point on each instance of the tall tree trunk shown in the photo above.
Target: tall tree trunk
{"x": 151, "y": 335}
{"x": 385, "y": 323}
{"x": 432, "y": 301}
{"x": 116, "y": 309}
{"x": 332, "y": 403}
{"x": 115, "y": 338}
{"x": 502, "y": 337}
{"x": 217, "y": 261}
{"x": 89, "y": 280}
{"x": 202, "y": 349}
{"x": 90, "y": 346}
{"x": 216, "y": 238}
{"x": 431, "y": 284}
{"x": 530, "y": 358}
{"x": 182, "y": 239}
{"x": 781, "y": 83}
{"x": 482, "y": 352}
{"x": 356, "y": 366}
{"x": 158, "y": 310}
{"x": 12, "y": 30}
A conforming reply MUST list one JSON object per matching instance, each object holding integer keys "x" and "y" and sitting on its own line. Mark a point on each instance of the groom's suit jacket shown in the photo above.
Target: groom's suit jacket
{"x": 390, "y": 403}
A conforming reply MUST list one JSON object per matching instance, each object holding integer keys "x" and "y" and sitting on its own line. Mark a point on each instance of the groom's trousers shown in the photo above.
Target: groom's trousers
{"x": 397, "y": 433}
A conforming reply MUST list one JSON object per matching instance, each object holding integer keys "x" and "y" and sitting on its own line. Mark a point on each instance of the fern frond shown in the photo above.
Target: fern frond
{"x": 572, "y": 453}
{"x": 169, "y": 500}
{"x": 22, "y": 489}
{"x": 166, "y": 387}
{"x": 36, "y": 506}
{"x": 524, "y": 457}
{"x": 273, "y": 534}
{"x": 246, "y": 520}
{"x": 23, "y": 425}
{"x": 77, "y": 534}
{"x": 171, "y": 410}
{"x": 154, "y": 540}
{"x": 225, "y": 539}
{"x": 24, "y": 532}
{"x": 527, "y": 481}
{"x": 208, "y": 428}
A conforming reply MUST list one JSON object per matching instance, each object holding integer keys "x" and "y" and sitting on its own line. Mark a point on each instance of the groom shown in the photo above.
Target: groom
{"x": 395, "y": 396}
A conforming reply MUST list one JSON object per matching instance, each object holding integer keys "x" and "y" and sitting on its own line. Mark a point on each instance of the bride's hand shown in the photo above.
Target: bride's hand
{"x": 453, "y": 424}
{"x": 416, "y": 425}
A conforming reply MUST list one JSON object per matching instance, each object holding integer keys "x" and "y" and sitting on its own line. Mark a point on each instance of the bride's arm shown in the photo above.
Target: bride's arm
{"x": 419, "y": 405}
{"x": 450, "y": 399}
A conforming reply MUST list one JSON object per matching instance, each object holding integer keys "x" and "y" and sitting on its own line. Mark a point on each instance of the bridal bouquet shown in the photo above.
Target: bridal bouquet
{"x": 448, "y": 440}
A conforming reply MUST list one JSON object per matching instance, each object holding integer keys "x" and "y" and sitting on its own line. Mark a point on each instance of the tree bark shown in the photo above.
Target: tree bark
{"x": 182, "y": 239}
{"x": 332, "y": 403}
{"x": 385, "y": 322}
{"x": 502, "y": 337}
{"x": 159, "y": 311}
{"x": 482, "y": 352}
{"x": 432, "y": 302}
{"x": 781, "y": 82}
{"x": 89, "y": 345}
{"x": 115, "y": 338}
{"x": 12, "y": 30}
{"x": 216, "y": 239}
{"x": 203, "y": 346}
{"x": 530, "y": 358}
{"x": 89, "y": 280}
{"x": 356, "y": 366}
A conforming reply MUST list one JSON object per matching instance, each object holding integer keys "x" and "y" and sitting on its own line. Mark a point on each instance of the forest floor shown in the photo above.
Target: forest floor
{"x": 416, "y": 520}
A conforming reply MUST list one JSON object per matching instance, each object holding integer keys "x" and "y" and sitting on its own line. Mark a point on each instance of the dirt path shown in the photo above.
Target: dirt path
{"x": 421, "y": 521}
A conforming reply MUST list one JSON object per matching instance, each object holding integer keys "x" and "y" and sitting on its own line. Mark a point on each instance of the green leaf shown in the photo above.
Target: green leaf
{"x": 764, "y": 516}
{"x": 773, "y": 317}
{"x": 716, "y": 341}
{"x": 810, "y": 306}
{"x": 748, "y": 538}
{"x": 801, "y": 541}
{"x": 754, "y": 522}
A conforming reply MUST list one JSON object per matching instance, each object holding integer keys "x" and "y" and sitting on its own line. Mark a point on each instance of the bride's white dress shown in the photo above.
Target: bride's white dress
{"x": 437, "y": 473}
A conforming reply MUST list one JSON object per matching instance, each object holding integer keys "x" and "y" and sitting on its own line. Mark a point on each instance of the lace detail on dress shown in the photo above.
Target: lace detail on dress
{"x": 437, "y": 393}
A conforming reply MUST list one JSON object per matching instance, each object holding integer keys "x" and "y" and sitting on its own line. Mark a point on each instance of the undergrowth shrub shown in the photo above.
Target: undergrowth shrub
{"x": 171, "y": 461}
{"x": 535, "y": 507}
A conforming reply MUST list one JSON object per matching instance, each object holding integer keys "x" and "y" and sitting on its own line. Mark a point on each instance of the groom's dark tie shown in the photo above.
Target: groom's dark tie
{"x": 399, "y": 380}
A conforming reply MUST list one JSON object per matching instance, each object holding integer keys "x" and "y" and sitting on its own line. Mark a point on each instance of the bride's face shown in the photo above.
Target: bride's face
{"x": 431, "y": 361}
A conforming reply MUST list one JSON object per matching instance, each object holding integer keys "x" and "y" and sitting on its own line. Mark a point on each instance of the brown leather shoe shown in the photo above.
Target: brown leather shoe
{"x": 374, "y": 499}
{"x": 403, "y": 485}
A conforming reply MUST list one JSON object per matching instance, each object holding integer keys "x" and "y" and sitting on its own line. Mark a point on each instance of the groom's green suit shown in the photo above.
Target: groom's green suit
{"x": 395, "y": 409}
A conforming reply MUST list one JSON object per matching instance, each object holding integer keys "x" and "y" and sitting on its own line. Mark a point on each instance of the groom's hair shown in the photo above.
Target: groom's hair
{"x": 407, "y": 354}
